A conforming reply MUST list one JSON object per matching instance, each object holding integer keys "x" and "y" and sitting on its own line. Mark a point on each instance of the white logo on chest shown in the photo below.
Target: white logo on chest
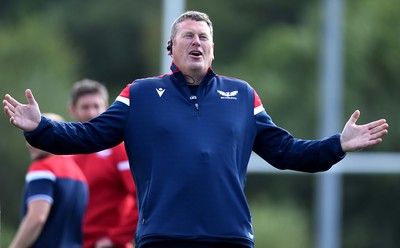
{"x": 228, "y": 95}
{"x": 160, "y": 91}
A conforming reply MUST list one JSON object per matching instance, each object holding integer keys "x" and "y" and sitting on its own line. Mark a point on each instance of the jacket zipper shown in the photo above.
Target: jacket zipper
{"x": 193, "y": 99}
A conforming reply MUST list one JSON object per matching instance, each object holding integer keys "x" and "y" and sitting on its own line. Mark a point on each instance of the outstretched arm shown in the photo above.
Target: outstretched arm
{"x": 23, "y": 116}
{"x": 357, "y": 137}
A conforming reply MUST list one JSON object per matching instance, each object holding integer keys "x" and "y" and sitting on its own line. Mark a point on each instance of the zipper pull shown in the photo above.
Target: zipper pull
{"x": 193, "y": 98}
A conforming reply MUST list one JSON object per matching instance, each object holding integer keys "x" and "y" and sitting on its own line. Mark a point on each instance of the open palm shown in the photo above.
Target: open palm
{"x": 357, "y": 137}
{"x": 23, "y": 116}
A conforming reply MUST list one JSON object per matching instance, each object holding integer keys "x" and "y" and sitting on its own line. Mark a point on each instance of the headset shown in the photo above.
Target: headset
{"x": 169, "y": 47}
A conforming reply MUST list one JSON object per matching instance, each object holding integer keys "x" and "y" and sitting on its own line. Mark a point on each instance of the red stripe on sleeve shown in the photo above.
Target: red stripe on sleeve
{"x": 257, "y": 100}
{"x": 125, "y": 92}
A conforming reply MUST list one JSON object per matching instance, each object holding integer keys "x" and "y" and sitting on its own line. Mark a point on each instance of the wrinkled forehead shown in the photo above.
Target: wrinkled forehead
{"x": 193, "y": 26}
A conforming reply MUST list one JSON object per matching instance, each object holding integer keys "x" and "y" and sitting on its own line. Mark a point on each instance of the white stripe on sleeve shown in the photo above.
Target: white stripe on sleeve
{"x": 123, "y": 100}
{"x": 37, "y": 175}
{"x": 123, "y": 166}
{"x": 258, "y": 109}
{"x": 40, "y": 197}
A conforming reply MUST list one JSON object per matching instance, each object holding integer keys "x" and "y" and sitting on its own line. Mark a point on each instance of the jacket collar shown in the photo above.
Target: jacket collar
{"x": 178, "y": 75}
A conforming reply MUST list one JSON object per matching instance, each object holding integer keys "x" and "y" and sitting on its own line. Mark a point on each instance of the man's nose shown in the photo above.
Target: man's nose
{"x": 93, "y": 112}
{"x": 196, "y": 40}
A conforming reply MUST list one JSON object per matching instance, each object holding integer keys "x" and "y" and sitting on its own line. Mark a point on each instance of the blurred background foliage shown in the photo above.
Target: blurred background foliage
{"x": 274, "y": 45}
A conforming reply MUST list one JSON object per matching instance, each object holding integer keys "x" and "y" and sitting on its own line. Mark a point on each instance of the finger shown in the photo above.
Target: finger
{"x": 29, "y": 97}
{"x": 374, "y": 142}
{"x": 374, "y": 124}
{"x": 9, "y": 106}
{"x": 13, "y": 122}
{"x": 378, "y": 135}
{"x": 8, "y": 112}
{"x": 12, "y": 101}
{"x": 379, "y": 128}
{"x": 371, "y": 143}
{"x": 6, "y": 103}
{"x": 354, "y": 117}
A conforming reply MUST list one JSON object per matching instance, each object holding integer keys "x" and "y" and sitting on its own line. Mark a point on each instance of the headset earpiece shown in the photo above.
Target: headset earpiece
{"x": 169, "y": 47}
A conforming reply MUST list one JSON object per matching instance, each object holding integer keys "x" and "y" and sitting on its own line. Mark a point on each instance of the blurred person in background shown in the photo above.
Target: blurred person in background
{"x": 111, "y": 216}
{"x": 54, "y": 201}
{"x": 189, "y": 137}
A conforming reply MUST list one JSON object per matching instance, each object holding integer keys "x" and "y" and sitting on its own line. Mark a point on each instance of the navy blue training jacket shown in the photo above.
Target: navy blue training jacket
{"x": 189, "y": 153}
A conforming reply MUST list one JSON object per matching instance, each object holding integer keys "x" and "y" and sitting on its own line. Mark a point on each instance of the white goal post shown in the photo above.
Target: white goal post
{"x": 353, "y": 163}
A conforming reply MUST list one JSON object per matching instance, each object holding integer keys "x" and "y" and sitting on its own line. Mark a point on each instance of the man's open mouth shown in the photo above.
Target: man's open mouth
{"x": 195, "y": 53}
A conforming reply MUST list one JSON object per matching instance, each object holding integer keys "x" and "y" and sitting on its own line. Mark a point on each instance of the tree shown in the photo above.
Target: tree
{"x": 35, "y": 55}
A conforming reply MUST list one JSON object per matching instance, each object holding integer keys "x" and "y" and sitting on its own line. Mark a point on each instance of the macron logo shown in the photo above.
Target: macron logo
{"x": 228, "y": 95}
{"x": 160, "y": 91}
{"x": 250, "y": 235}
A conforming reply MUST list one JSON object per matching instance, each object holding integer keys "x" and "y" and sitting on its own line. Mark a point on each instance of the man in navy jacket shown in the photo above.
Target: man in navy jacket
{"x": 189, "y": 136}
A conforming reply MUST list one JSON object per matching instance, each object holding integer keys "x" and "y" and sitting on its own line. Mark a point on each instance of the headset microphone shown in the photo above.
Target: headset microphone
{"x": 169, "y": 47}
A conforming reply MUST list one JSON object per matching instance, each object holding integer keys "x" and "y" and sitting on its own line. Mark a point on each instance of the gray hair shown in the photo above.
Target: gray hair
{"x": 192, "y": 15}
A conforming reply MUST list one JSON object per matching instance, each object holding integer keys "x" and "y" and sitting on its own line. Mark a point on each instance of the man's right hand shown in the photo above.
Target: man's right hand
{"x": 24, "y": 116}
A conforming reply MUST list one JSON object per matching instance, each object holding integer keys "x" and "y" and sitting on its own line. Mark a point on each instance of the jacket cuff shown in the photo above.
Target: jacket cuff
{"x": 42, "y": 125}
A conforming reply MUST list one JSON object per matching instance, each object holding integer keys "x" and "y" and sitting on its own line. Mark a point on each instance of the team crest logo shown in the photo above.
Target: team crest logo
{"x": 228, "y": 95}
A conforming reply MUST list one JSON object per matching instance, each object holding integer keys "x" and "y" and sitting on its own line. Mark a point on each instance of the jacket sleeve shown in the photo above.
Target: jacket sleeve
{"x": 102, "y": 132}
{"x": 279, "y": 148}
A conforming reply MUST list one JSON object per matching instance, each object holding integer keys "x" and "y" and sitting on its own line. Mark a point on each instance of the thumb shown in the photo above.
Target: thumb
{"x": 354, "y": 117}
{"x": 29, "y": 97}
